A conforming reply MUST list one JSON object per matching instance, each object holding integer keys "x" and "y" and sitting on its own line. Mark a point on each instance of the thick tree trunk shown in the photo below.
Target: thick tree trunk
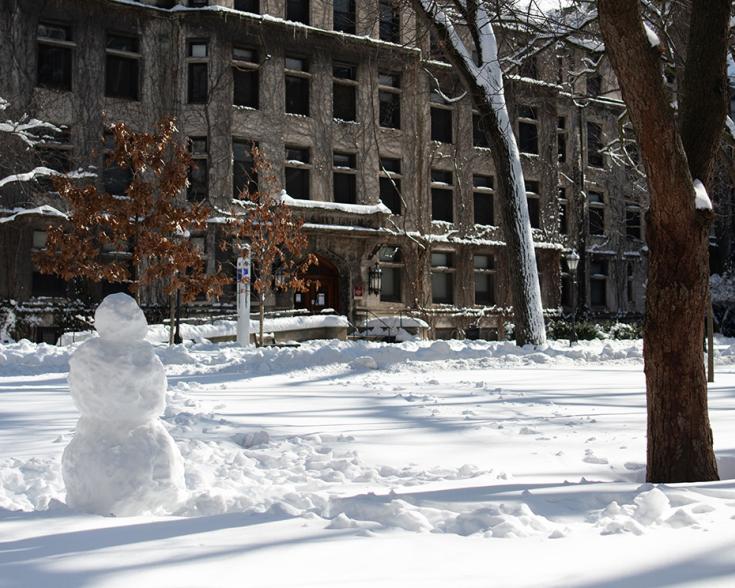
{"x": 680, "y": 445}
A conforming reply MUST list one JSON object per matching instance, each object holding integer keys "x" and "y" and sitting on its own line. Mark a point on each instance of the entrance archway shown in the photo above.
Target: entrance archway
{"x": 323, "y": 288}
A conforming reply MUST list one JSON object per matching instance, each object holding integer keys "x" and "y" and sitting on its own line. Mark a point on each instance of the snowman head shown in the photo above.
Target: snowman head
{"x": 119, "y": 318}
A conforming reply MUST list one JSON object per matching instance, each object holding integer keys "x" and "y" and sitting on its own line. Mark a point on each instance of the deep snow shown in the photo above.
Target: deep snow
{"x": 364, "y": 464}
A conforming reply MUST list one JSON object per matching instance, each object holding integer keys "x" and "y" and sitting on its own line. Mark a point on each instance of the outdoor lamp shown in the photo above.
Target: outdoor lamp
{"x": 375, "y": 279}
{"x": 572, "y": 260}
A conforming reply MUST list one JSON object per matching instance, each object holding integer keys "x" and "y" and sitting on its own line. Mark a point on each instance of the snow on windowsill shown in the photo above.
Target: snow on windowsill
{"x": 335, "y": 206}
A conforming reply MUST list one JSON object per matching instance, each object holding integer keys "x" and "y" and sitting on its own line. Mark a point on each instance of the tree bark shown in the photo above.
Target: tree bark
{"x": 680, "y": 447}
{"x": 484, "y": 82}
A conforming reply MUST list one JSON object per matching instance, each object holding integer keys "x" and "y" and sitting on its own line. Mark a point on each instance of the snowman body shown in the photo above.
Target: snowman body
{"x": 121, "y": 461}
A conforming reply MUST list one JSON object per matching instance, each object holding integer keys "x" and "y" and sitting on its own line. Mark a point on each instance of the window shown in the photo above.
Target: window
{"x": 245, "y": 77}
{"x": 484, "y": 270}
{"x": 390, "y": 183}
{"x": 392, "y": 266}
{"x": 344, "y": 89}
{"x": 483, "y": 199}
{"x": 248, "y": 6}
{"x": 297, "y": 10}
{"x": 598, "y": 283}
{"x": 345, "y": 178}
{"x": 633, "y": 221}
{"x": 561, "y": 138}
{"x": 115, "y": 179}
{"x": 479, "y": 136}
{"x": 442, "y": 277}
{"x": 441, "y": 119}
{"x": 533, "y": 199}
{"x": 594, "y": 145}
{"x": 344, "y": 16}
{"x": 55, "y": 50}
{"x": 563, "y": 218}
{"x": 121, "y": 67}
{"x": 389, "y": 98}
{"x": 198, "y": 73}
{"x": 528, "y": 68}
{"x": 442, "y": 206}
{"x": 199, "y": 170}
{"x": 596, "y": 202}
{"x": 198, "y": 3}
{"x": 527, "y": 130}
{"x": 436, "y": 47}
{"x": 39, "y": 240}
{"x": 594, "y": 85}
{"x": 298, "y": 172}
{"x": 390, "y": 21}
{"x": 244, "y": 175}
{"x": 47, "y": 285}
{"x": 297, "y": 86}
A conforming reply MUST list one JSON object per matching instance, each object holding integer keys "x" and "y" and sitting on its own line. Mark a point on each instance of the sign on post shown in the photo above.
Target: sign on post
{"x": 243, "y": 276}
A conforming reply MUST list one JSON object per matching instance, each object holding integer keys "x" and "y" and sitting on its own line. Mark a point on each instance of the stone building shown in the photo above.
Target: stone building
{"x": 348, "y": 102}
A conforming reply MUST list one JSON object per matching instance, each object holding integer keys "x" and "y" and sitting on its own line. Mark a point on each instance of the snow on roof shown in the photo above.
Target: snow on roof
{"x": 338, "y": 206}
{"x": 44, "y": 210}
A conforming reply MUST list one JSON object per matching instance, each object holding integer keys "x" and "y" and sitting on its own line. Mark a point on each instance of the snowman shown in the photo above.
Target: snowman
{"x": 121, "y": 461}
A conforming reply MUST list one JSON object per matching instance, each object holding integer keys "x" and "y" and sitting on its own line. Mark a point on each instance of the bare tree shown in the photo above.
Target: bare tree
{"x": 677, "y": 157}
{"x": 470, "y": 44}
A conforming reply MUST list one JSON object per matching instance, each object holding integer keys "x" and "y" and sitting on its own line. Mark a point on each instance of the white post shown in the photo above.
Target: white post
{"x": 243, "y": 296}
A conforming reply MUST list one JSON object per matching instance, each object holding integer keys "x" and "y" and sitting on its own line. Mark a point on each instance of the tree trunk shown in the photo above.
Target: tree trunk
{"x": 262, "y": 318}
{"x": 680, "y": 447}
{"x": 485, "y": 85}
{"x": 171, "y": 318}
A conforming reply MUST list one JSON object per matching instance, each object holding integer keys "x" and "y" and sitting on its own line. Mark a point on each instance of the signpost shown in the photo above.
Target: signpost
{"x": 243, "y": 296}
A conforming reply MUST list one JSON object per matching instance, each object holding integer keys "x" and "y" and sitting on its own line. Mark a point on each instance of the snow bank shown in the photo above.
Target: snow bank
{"x": 25, "y": 358}
{"x": 226, "y": 328}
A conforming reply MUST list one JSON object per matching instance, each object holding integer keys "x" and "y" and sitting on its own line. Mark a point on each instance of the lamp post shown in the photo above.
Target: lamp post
{"x": 375, "y": 279}
{"x": 572, "y": 263}
{"x": 177, "y": 333}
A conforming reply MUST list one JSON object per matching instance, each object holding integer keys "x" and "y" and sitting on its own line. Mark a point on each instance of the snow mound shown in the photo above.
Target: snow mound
{"x": 113, "y": 470}
{"x": 658, "y": 506}
{"x": 30, "y": 485}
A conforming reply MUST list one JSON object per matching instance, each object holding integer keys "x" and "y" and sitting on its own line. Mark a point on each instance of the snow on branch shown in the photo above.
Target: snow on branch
{"x": 701, "y": 198}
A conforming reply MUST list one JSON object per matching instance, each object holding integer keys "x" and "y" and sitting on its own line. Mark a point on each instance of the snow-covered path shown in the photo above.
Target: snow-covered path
{"x": 338, "y": 464}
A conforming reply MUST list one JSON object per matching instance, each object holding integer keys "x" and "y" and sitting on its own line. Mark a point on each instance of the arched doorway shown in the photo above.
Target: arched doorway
{"x": 323, "y": 288}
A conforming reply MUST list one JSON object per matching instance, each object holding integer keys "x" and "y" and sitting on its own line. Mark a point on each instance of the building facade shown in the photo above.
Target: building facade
{"x": 365, "y": 128}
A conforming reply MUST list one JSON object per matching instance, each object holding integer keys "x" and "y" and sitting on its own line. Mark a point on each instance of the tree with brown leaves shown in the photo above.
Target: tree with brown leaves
{"x": 277, "y": 239}
{"x": 148, "y": 226}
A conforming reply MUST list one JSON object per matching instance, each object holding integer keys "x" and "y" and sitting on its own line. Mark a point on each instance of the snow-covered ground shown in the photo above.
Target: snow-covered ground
{"x": 366, "y": 464}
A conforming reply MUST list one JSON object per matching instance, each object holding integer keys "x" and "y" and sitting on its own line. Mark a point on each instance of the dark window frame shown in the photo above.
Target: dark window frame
{"x": 124, "y": 58}
{"x": 390, "y": 184}
{"x": 298, "y": 86}
{"x": 297, "y": 172}
{"x": 344, "y": 177}
{"x": 53, "y": 52}
{"x": 246, "y": 72}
